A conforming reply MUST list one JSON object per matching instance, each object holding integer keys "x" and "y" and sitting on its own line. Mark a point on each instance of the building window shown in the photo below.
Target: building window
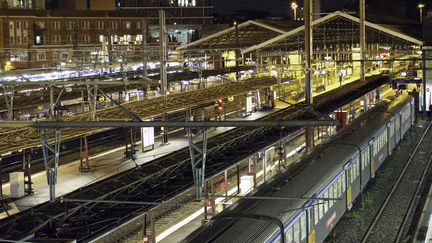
{"x": 127, "y": 25}
{"x": 25, "y": 24}
{"x": 69, "y": 39}
{"x": 12, "y": 40}
{"x": 138, "y": 25}
{"x": 11, "y": 25}
{"x": 18, "y": 40}
{"x": 70, "y": 25}
{"x": 56, "y": 39}
{"x": 39, "y": 40}
{"x": 187, "y": 3}
{"x": 113, "y": 25}
{"x": 41, "y": 56}
{"x": 100, "y": 25}
{"x": 18, "y": 56}
{"x": 18, "y": 25}
{"x": 85, "y": 25}
{"x": 40, "y": 24}
{"x": 85, "y": 39}
{"x": 55, "y": 25}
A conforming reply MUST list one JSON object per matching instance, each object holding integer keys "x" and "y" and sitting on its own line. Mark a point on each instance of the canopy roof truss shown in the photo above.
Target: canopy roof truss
{"x": 242, "y": 36}
{"x": 335, "y": 31}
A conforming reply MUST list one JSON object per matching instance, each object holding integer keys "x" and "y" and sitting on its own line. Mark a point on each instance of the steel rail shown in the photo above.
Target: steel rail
{"x": 402, "y": 174}
{"x": 157, "y": 181}
{"x": 412, "y": 203}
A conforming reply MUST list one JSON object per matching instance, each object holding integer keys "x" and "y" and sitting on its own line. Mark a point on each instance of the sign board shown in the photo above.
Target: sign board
{"x": 147, "y": 137}
{"x": 249, "y": 104}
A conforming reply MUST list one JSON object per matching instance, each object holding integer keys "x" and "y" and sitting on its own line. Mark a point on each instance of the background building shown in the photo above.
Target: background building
{"x": 92, "y": 32}
{"x": 30, "y": 4}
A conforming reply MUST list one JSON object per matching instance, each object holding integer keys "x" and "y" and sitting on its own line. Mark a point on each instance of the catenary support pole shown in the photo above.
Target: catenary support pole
{"x": 362, "y": 39}
{"x": 308, "y": 67}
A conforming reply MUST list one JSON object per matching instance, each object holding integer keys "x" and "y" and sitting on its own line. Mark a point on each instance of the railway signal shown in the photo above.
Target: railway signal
{"x": 220, "y": 106}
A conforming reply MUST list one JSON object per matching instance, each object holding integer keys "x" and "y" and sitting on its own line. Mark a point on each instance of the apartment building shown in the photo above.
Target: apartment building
{"x": 36, "y": 38}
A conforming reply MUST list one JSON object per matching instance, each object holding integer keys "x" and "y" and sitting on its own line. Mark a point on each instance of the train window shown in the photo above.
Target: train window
{"x": 343, "y": 184}
{"x": 303, "y": 226}
{"x": 321, "y": 208}
{"x": 331, "y": 195}
{"x": 375, "y": 148}
{"x": 354, "y": 171}
{"x": 316, "y": 215}
{"x": 326, "y": 204}
{"x": 297, "y": 232}
{"x": 364, "y": 156}
{"x": 357, "y": 166}
{"x": 289, "y": 235}
{"x": 348, "y": 172}
{"x": 339, "y": 189}
{"x": 335, "y": 187}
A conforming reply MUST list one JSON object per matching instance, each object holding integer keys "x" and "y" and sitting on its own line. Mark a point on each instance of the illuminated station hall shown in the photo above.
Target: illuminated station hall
{"x": 145, "y": 121}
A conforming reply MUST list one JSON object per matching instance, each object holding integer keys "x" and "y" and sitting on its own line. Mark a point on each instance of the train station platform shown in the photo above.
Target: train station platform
{"x": 424, "y": 228}
{"x": 111, "y": 162}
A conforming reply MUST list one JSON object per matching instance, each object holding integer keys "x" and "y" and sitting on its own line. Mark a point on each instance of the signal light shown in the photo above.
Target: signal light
{"x": 220, "y": 105}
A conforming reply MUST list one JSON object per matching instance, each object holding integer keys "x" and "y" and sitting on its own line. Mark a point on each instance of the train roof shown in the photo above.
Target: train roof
{"x": 314, "y": 171}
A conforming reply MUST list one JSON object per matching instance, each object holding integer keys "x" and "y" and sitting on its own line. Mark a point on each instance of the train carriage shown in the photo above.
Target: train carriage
{"x": 320, "y": 189}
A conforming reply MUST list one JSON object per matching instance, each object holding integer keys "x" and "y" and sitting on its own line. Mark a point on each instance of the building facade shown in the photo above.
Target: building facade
{"x": 41, "y": 38}
{"x": 26, "y": 4}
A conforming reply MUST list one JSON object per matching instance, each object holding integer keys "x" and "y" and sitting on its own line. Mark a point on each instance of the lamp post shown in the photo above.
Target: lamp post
{"x": 294, "y": 7}
{"x": 421, "y": 6}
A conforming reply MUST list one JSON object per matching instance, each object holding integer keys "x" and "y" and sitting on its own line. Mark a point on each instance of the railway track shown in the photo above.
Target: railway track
{"x": 23, "y": 138}
{"x": 160, "y": 180}
{"x": 392, "y": 219}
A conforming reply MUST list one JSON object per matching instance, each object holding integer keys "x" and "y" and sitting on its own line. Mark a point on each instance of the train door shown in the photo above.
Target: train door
{"x": 365, "y": 166}
{"x": 372, "y": 158}
{"x": 397, "y": 121}
{"x": 391, "y": 136}
{"x": 311, "y": 223}
{"x": 355, "y": 178}
{"x": 348, "y": 177}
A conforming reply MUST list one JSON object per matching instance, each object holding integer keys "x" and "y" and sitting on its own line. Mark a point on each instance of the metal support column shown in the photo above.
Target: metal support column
{"x": 238, "y": 179}
{"x": 149, "y": 232}
{"x": 28, "y": 184}
{"x": 209, "y": 201}
{"x": 130, "y": 145}
{"x": 424, "y": 81}
{"x": 51, "y": 159}
{"x": 144, "y": 32}
{"x": 198, "y": 161}
{"x": 84, "y": 155}
{"x": 252, "y": 169}
{"x": 9, "y": 92}
{"x": 1, "y": 178}
{"x": 92, "y": 92}
{"x": 362, "y": 40}
{"x": 163, "y": 45}
{"x": 52, "y": 102}
{"x": 308, "y": 67}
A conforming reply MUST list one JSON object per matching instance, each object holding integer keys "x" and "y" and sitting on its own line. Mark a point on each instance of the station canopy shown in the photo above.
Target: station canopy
{"x": 244, "y": 35}
{"x": 332, "y": 31}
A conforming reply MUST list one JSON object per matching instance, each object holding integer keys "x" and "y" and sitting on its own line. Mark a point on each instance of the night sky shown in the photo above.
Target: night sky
{"x": 399, "y": 8}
